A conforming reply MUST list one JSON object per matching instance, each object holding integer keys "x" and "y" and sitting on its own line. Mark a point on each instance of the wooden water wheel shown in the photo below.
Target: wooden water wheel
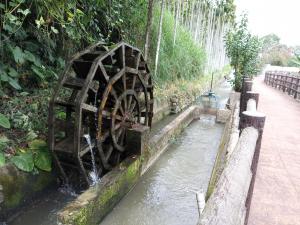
{"x": 102, "y": 93}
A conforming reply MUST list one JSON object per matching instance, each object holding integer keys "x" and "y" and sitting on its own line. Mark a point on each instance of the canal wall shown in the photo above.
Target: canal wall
{"x": 18, "y": 188}
{"x": 91, "y": 206}
{"x": 230, "y": 193}
{"x": 229, "y": 116}
{"x": 226, "y": 204}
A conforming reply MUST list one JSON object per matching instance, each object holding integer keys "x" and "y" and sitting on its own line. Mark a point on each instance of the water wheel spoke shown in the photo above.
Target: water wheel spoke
{"x": 132, "y": 107}
{"x": 124, "y": 104}
{"x": 108, "y": 115}
{"x": 138, "y": 60}
{"x": 117, "y": 127}
{"x": 114, "y": 93}
{"x": 147, "y": 76}
{"x": 109, "y": 152}
{"x": 104, "y": 74}
{"x": 119, "y": 107}
{"x": 129, "y": 102}
{"x": 124, "y": 88}
{"x": 122, "y": 110}
{"x": 117, "y": 157}
{"x": 132, "y": 87}
{"x": 105, "y": 136}
{"x": 120, "y": 132}
{"x": 122, "y": 137}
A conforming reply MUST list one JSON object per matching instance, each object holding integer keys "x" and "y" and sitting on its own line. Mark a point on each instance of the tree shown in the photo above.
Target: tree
{"x": 269, "y": 41}
{"x": 275, "y": 53}
{"x": 148, "y": 27}
{"x": 278, "y": 55}
{"x": 159, "y": 36}
{"x": 243, "y": 50}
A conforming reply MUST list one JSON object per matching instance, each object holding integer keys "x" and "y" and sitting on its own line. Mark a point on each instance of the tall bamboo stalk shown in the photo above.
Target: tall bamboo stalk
{"x": 148, "y": 28}
{"x": 159, "y": 37}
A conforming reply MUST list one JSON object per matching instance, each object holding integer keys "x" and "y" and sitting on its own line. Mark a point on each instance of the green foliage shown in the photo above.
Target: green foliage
{"x": 183, "y": 61}
{"x": 24, "y": 161}
{"x": 37, "y": 35}
{"x": 26, "y": 112}
{"x": 277, "y": 56}
{"x": 23, "y": 55}
{"x": 243, "y": 50}
{"x": 3, "y": 144}
{"x": 2, "y": 159}
{"x": 37, "y": 155}
{"x": 4, "y": 122}
{"x": 42, "y": 158}
{"x": 269, "y": 41}
{"x": 295, "y": 61}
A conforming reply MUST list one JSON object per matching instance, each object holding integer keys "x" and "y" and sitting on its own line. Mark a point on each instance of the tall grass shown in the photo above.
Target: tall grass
{"x": 184, "y": 61}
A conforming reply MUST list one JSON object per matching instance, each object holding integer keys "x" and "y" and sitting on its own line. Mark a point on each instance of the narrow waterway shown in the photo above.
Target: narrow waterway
{"x": 43, "y": 212}
{"x": 165, "y": 195}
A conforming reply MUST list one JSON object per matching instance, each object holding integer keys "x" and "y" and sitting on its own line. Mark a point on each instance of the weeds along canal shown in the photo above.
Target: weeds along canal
{"x": 165, "y": 194}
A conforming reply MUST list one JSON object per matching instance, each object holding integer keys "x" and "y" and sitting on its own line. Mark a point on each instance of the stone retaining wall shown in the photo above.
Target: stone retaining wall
{"x": 227, "y": 204}
{"x": 91, "y": 206}
{"x": 229, "y": 116}
{"x": 17, "y": 187}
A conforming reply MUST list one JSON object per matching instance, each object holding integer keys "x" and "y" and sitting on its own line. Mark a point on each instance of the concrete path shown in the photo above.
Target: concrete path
{"x": 276, "y": 197}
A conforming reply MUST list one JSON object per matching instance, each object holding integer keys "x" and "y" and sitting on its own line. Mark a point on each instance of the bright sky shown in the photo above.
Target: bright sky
{"x": 281, "y": 17}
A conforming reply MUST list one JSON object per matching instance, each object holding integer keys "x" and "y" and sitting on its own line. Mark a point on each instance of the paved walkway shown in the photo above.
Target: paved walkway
{"x": 276, "y": 197}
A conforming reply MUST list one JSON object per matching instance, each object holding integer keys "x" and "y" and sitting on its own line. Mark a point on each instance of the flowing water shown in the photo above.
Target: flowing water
{"x": 44, "y": 212}
{"x": 93, "y": 174}
{"x": 166, "y": 194}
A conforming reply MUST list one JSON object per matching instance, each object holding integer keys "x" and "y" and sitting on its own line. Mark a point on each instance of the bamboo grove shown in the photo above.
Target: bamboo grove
{"x": 207, "y": 21}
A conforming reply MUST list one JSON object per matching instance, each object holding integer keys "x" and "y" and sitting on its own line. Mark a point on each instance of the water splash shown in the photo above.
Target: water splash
{"x": 93, "y": 174}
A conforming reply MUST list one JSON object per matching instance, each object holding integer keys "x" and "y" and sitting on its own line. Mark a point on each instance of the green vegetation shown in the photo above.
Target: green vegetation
{"x": 278, "y": 54}
{"x": 36, "y": 156}
{"x": 273, "y": 52}
{"x": 295, "y": 60}
{"x": 243, "y": 50}
{"x": 184, "y": 61}
{"x": 37, "y": 37}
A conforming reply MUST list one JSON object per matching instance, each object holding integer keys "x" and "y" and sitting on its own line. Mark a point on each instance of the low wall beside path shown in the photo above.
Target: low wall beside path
{"x": 226, "y": 205}
{"x": 230, "y": 200}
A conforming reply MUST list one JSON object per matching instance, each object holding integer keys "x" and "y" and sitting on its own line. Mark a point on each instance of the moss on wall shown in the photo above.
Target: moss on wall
{"x": 18, "y": 187}
{"x": 94, "y": 204}
{"x": 220, "y": 159}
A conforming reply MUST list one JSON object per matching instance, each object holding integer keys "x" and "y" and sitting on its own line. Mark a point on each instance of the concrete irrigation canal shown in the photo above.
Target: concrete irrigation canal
{"x": 166, "y": 192}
